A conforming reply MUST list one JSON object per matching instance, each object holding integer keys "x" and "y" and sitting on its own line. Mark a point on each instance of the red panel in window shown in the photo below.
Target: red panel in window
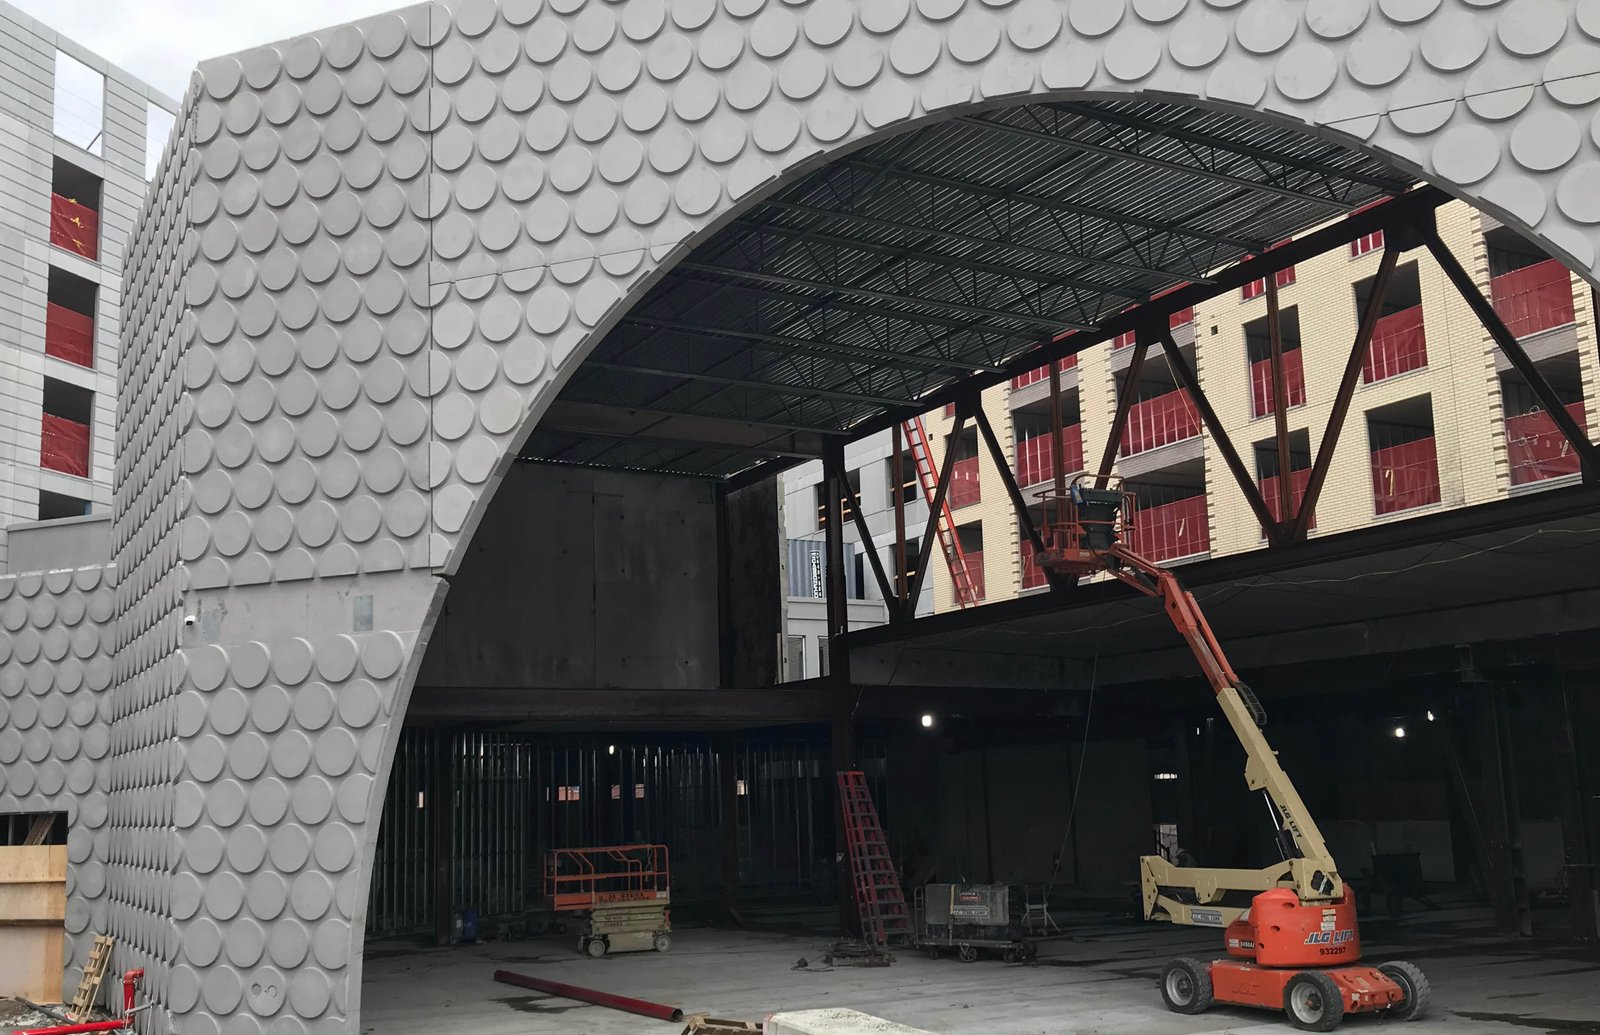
{"x": 64, "y": 446}
{"x": 1043, "y": 373}
{"x": 68, "y": 335}
{"x": 1537, "y": 449}
{"x": 1294, "y": 377}
{"x": 1181, "y": 317}
{"x": 74, "y": 227}
{"x": 1172, "y": 417}
{"x": 1036, "y": 458}
{"x": 974, "y": 559}
{"x": 1369, "y": 243}
{"x": 1534, "y": 298}
{"x": 1178, "y": 529}
{"x": 1297, "y": 492}
{"x": 1254, "y": 289}
{"x": 1405, "y": 476}
{"x": 1399, "y": 344}
{"x": 964, "y": 487}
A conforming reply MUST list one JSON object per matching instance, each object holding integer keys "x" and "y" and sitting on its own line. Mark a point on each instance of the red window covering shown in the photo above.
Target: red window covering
{"x": 964, "y": 487}
{"x": 1399, "y": 344}
{"x": 74, "y": 227}
{"x": 974, "y": 560}
{"x": 1168, "y": 530}
{"x": 68, "y": 335}
{"x": 1534, "y": 298}
{"x": 1172, "y": 417}
{"x": 1181, "y": 317}
{"x": 1036, "y": 457}
{"x": 64, "y": 446}
{"x": 1405, "y": 476}
{"x": 1033, "y": 576}
{"x": 1536, "y": 448}
{"x": 1043, "y": 373}
{"x": 1369, "y": 243}
{"x": 1294, "y": 376}
{"x": 1297, "y": 493}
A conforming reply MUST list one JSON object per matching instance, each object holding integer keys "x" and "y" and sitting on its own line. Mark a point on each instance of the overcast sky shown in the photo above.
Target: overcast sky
{"x": 161, "y": 41}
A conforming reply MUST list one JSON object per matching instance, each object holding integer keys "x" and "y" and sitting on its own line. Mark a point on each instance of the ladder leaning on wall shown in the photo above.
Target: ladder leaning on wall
{"x": 949, "y": 543}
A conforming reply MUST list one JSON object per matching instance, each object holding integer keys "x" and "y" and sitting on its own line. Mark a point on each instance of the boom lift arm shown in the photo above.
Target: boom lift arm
{"x": 1085, "y": 536}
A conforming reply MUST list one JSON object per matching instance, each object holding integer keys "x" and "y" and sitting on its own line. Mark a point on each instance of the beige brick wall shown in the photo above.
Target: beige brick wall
{"x": 1459, "y": 378}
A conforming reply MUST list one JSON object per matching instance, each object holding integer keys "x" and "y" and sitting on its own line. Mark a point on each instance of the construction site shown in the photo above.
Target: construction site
{"x": 936, "y": 517}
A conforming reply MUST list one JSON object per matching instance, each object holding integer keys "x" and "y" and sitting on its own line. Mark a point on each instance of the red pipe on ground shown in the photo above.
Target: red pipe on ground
{"x": 589, "y": 995}
{"x": 129, "y": 980}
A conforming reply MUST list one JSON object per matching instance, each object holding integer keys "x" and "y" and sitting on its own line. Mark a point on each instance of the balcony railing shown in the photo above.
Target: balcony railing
{"x": 1399, "y": 344}
{"x": 1167, "y": 418}
{"x": 1294, "y": 377}
{"x": 1170, "y": 530}
{"x": 1405, "y": 476}
{"x": 1297, "y": 493}
{"x": 64, "y": 446}
{"x": 975, "y": 572}
{"x": 964, "y": 488}
{"x": 1036, "y": 457}
{"x": 1534, "y": 298}
{"x": 74, "y": 227}
{"x": 1536, "y": 448}
{"x": 68, "y": 335}
{"x": 1033, "y": 377}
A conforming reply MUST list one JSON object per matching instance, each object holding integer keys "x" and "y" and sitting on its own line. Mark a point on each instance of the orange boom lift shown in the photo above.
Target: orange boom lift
{"x": 1296, "y": 946}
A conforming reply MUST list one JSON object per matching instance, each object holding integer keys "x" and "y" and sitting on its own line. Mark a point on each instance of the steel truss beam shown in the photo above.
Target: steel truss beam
{"x": 756, "y": 277}
{"x": 736, "y": 382}
{"x": 937, "y": 259}
{"x": 957, "y": 237}
{"x": 1481, "y": 307}
{"x": 1219, "y": 434}
{"x": 833, "y": 460}
{"x": 1053, "y": 204}
{"x": 1347, "y": 387}
{"x": 1280, "y": 410}
{"x": 1184, "y": 134}
{"x": 786, "y": 343}
{"x": 1041, "y": 136}
{"x": 1013, "y": 491}
{"x": 936, "y": 508}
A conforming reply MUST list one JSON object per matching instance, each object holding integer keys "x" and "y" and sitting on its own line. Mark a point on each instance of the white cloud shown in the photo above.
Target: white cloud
{"x": 161, "y": 41}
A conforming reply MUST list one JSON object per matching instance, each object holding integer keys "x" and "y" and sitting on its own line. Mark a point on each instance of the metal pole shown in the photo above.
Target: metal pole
{"x": 1056, "y": 429}
{"x": 896, "y": 430}
{"x": 1280, "y": 405}
{"x": 1130, "y": 380}
{"x": 1347, "y": 387}
{"x": 838, "y": 620}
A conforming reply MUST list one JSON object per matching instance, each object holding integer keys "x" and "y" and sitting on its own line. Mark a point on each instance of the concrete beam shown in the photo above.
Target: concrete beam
{"x": 600, "y": 421}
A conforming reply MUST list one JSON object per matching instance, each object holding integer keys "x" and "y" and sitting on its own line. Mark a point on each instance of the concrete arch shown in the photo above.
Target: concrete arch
{"x": 377, "y": 253}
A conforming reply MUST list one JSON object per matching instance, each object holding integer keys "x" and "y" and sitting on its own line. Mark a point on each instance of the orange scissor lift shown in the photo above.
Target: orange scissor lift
{"x": 624, "y": 890}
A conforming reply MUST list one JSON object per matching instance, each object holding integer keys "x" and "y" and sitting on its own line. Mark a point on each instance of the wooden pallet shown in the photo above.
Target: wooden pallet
{"x": 700, "y": 1024}
{"x": 94, "y": 973}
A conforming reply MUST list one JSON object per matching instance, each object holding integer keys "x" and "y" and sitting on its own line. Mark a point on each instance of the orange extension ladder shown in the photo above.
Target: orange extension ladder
{"x": 954, "y": 557}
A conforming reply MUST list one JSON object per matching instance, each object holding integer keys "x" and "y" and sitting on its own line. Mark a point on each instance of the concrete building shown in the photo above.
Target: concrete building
{"x": 78, "y": 144}
{"x": 871, "y": 468}
{"x": 1439, "y": 419}
{"x": 462, "y": 347}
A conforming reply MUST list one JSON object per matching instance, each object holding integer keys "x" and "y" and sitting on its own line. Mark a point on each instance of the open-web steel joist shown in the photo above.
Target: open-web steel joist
{"x": 885, "y": 280}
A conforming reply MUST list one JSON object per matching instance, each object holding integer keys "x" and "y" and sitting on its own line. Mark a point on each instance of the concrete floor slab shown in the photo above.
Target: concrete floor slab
{"x": 1102, "y": 979}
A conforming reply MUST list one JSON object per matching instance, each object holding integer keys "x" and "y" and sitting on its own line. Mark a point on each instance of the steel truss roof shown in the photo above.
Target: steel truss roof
{"x": 937, "y": 254}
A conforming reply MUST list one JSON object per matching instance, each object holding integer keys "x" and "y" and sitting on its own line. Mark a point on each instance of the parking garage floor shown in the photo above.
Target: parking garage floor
{"x": 1101, "y": 977}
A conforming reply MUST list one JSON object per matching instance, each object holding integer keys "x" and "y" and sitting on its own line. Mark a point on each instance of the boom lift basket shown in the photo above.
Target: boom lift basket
{"x": 1082, "y": 524}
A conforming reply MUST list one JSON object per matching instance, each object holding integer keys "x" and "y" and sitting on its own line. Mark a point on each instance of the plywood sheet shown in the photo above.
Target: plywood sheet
{"x": 33, "y": 901}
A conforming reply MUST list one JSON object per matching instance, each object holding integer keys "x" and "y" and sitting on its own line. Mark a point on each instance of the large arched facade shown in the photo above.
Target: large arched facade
{"x": 376, "y": 254}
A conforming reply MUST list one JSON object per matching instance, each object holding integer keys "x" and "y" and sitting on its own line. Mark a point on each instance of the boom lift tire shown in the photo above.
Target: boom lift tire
{"x": 1313, "y": 1001}
{"x": 1415, "y": 985}
{"x": 1186, "y": 986}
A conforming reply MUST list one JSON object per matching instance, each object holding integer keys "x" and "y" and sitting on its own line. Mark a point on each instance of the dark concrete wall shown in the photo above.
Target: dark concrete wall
{"x": 580, "y": 579}
{"x": 752, "y": 618}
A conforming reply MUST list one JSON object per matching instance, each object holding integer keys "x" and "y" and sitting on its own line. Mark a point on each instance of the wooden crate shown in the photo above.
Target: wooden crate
{"x": 33, "y": 910}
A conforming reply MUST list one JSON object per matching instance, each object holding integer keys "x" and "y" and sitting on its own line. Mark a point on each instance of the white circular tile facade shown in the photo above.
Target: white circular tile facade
{"x": 368, "y": 268}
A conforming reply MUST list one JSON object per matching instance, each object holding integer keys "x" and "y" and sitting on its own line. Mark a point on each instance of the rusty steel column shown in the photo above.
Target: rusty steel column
{"x": 1124, "y": 403}
{"x": 842, "y": 728}
{"x": 896, "y": 431}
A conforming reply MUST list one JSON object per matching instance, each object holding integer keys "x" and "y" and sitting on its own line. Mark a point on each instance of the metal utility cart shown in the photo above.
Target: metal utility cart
{"x": 624, "y": 890}
{"x": 971, "y": 917}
